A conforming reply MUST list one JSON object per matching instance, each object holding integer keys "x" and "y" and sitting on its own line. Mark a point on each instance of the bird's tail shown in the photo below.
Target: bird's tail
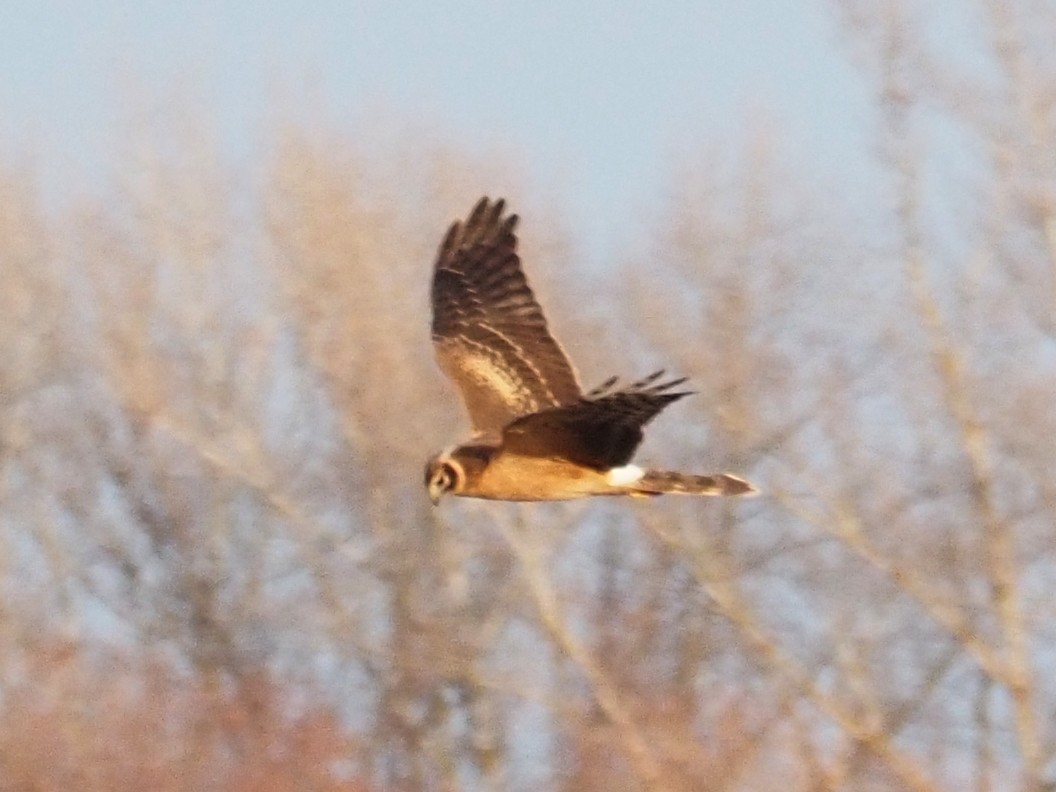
{"x": 664, "y": 482}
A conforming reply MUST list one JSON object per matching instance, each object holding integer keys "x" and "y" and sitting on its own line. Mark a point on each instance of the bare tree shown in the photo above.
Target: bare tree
{"x": 217, "y": 392}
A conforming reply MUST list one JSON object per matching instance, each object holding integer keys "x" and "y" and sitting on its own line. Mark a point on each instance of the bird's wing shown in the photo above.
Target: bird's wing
{"x": 600, "y": 430}
{"x": 489, "y": 333}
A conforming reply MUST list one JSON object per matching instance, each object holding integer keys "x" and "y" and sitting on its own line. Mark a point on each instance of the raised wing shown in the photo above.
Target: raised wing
{"x": 601, "y": 430}
{"x": 489, "y": 333}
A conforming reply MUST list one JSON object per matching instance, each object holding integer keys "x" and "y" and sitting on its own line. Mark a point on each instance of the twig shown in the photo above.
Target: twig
{"x": 604, "y": 691}
{"x": 716, "y": 584}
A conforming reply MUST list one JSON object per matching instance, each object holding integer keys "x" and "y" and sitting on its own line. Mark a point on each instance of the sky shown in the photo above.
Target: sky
{"x": 597, "y": 99}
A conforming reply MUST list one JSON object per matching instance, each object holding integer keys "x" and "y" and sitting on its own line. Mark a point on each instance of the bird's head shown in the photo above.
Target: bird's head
{"x": 442, "y": 475}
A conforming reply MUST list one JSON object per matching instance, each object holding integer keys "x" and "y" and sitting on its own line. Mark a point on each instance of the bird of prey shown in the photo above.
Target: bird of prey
{"x": 537, "y": 436}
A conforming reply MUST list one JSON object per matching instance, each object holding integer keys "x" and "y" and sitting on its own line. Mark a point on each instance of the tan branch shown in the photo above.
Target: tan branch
{"x": 997, "y": 533}
{"x": 603, "y": 689}
{"x": 717, "y": 584}
{"x": 845, "y": 526}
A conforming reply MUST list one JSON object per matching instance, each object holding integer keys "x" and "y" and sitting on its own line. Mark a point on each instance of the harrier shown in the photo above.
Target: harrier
{"x": 537, "y": 436}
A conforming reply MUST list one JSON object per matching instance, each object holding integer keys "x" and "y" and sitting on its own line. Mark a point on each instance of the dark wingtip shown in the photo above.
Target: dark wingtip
{"x": 480, "y": 209}
{"x": 603, "y": 388}
{"x": 645, "y": 381}
{"x": 450, "y": 241}
{"x": 673, "y": 384}
{"x": 486, "y": 221}
{"x": 677, "y": 395}
{"x": 496, "y": 211}
{"x": 651, "y": 384}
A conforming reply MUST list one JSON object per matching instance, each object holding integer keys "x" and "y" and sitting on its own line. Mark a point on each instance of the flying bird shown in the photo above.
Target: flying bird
{"x": 537, "y": 435}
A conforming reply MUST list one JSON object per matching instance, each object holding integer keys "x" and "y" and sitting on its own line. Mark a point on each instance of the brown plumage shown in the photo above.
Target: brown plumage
{"x": 490, "y": 335}
{"x": 537, "y": 436}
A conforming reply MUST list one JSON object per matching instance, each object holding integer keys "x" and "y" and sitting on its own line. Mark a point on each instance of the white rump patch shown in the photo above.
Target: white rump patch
{"x": 622, "y": 476}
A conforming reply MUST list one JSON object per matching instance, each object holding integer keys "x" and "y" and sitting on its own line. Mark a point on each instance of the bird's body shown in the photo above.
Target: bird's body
{"x": 537, "y": 435}
{"x": 527, "y": 478}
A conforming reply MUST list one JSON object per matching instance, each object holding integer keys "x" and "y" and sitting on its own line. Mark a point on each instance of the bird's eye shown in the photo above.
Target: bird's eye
{"x": 442, "y": 477}
{"x": 446, "y": 477}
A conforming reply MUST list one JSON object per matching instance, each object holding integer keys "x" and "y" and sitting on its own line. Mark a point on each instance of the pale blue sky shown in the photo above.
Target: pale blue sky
{"x": 595, "y": 97}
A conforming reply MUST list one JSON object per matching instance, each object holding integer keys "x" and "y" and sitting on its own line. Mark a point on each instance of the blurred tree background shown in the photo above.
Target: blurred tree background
{"x": 219, "y": 569}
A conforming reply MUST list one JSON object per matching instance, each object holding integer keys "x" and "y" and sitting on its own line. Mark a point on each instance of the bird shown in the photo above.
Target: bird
{"x": 536, "y": 435}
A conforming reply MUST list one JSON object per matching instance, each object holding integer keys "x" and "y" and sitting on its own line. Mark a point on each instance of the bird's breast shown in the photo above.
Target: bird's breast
{"x": 513, "y": 477}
